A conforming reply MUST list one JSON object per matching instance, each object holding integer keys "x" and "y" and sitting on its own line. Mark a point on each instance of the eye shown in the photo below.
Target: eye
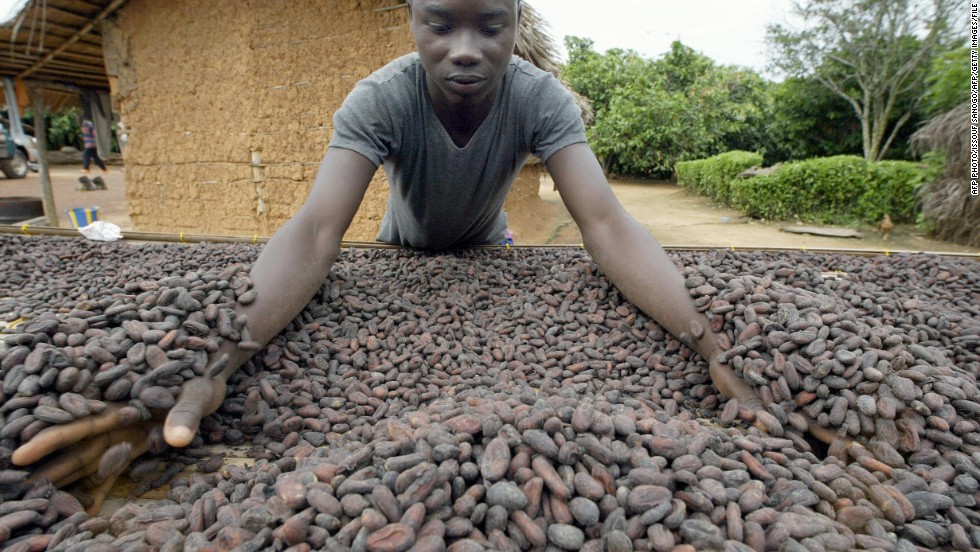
{"x": 493, "y": 30}
{"x": 439, "y": 28}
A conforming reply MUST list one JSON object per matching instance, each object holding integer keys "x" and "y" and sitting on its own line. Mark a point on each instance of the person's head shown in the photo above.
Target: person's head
{"x": 465, "y": 46}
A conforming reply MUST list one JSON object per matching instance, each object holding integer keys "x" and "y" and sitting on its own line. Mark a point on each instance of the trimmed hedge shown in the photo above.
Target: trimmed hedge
{"x": 844, "y": 189}
{"x": 713, "y": 176}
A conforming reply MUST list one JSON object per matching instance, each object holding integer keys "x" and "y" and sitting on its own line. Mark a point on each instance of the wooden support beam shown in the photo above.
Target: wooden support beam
{"x": 68, "y": 13}
{"x": 47, "y": 193}
{"x": 67, "y": 59}
{"x": 74, "y": 38}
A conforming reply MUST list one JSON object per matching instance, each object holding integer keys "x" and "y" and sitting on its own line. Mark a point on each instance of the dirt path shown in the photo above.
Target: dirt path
{"x": 676, "y": 218}
{"x": 672, "y": 216}
{"x": 64, "y": 181}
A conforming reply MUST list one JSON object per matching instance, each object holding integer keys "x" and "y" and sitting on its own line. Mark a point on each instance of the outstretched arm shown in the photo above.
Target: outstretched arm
{"x": 635, "y": 262}
{"x": 290, "y": 269}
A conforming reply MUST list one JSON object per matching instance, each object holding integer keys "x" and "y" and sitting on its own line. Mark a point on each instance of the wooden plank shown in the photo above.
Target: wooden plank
{"x": 19, "y": 55}
{"x": 823, "y": 231}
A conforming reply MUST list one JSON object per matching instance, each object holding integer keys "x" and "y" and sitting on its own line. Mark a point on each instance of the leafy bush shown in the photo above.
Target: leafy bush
{"x": 62, "y": 128}
{"x": 652, "y": 114}
{"x": 713, "y": 176}
{"x": 689, "y": 173}
{"x": 843, "y": 189}
{"x": 723, "y": 169}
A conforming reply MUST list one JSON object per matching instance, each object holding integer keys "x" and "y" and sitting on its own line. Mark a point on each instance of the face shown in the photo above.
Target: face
{"x": 465, "y": 47}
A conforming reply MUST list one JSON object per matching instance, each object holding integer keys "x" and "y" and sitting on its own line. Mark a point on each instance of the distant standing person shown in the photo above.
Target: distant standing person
{"x": 90, "y": 154}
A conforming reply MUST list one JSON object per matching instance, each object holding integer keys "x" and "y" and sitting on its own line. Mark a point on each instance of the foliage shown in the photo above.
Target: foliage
{"x": 600, "y": 77}
{"x": 843, "y": 189}
{"x": 712, "y": 177}
{"x": 808, "y": 120}
{"x": 62, "y": 128}
{"x": 892, "y": 190}
{"x": 635, "y": 131}
{"x": 948, "y": 82}
{"x": 688, "y": 173}
{"x": 871, "y": 53}
{"x": 651, "y": 114}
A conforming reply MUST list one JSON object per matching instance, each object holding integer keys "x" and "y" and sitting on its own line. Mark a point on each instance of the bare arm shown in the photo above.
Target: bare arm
{"x": 295, "y": 262}
{"x": 290, "y": 269}
{"x": 634, "y": 261}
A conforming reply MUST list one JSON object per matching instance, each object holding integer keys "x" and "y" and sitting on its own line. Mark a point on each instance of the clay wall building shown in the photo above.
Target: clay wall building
{"x": 229, "y": 106}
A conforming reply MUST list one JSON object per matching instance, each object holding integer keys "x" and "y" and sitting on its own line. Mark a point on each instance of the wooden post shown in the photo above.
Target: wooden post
{"x": 47, "y": 194}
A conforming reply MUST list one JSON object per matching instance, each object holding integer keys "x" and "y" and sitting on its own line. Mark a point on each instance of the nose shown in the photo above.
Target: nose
{"x": 466, "y": 49}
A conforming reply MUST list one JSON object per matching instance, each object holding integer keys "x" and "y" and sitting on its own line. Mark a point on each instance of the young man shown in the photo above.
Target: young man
{"x": 90, "y": 154}
{"x": 452, "y": 124}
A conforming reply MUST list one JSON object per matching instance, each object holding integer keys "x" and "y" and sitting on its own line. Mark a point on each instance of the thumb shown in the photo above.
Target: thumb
{"x": 198, "y": 398}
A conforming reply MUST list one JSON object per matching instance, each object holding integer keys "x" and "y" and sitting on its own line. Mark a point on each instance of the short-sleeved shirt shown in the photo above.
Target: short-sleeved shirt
{"x": 442, "y": 195}
{"x": 88, "y": 134}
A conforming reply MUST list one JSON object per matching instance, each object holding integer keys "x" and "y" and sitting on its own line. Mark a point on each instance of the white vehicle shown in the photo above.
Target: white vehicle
{"x": 26, "y": 144}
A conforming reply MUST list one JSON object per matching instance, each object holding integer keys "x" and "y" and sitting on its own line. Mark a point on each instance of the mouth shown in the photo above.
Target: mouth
{"x": 465, "y": 80}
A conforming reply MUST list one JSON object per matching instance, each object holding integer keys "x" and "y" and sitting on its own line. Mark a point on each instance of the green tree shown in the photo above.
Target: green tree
{"x": 732, "y": 102}
{"x": 871, "y": 53}
{"x": 808, "y": 120}
{"x": 61, "y": 128}
{"x": 600, "y": 77}
{"x": 948, "y": 82}
{"x": 652, "y": 114}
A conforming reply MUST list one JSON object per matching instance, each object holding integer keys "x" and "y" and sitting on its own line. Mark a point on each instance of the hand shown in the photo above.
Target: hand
{"x": 732, "y": 386}
{"x": 72, "y": 452}
{"x": 199, "y": 397}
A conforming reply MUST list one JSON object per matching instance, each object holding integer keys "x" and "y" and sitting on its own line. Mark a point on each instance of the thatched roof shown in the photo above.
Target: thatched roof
{"x": 947, "y": 202}
{"x": 536, "y": 45}
{"x": 948, "y": 133}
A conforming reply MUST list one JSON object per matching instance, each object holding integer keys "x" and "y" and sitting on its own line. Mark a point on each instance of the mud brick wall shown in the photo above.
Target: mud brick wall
{"x": 231, "y": 103}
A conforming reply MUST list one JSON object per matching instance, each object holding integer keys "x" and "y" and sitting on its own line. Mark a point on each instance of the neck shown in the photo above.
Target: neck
{"x": 462, "y": 119}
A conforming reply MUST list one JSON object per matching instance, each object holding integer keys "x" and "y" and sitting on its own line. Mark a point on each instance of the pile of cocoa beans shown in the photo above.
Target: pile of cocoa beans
{"x": 505, "y": 400}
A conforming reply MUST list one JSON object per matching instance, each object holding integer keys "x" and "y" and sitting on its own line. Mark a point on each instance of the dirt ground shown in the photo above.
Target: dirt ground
{"x": 679, "y": 219}
{"x": 64, "y": 181}
{"x": 670, "y": 214}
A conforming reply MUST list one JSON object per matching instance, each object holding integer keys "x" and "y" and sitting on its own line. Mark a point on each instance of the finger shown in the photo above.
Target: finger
{"x": 97, "y": 488}
{"x": 198, "y": 398}
{"x": 60, "y": 436}
{"x": 73, "y": 463}
{"x": 98, "y": 494}
{"x": 82, "y": 459}
{"x": 732, "y": 386}
{"x": 62, "y": 474}
{"x": 824, "y": 434}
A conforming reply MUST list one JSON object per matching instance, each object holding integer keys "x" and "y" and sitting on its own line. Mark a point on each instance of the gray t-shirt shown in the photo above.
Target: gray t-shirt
{"x": 443, "y": 196}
